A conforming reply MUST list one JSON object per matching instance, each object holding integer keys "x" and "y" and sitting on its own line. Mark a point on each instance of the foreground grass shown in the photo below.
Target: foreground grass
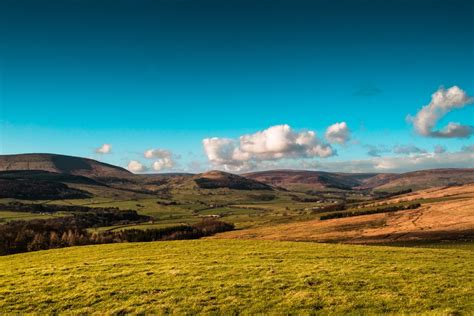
{"x": 238, "y": 276}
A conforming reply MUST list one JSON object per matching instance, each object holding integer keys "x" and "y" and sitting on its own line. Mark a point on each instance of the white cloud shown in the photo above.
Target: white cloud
{"x": 163, "y": 164}
{"x": 157, "y": 153}
{"x": 461, "y": 159}
{"x": 408, "y": 150}
{"x": 442, "y": 102}
{"x": 426, "y": 161}
{"x": 338, "y": 133}
{"x": 165, "y": 159}
{"x": 104, "y": 149}
{"x": 136, "y": 166}
{"x": 274, "y": 143}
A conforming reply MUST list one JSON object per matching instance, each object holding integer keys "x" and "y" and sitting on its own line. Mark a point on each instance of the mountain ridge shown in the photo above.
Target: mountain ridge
{"x": 61, "y": 164}
{"x": 290, "y": 179}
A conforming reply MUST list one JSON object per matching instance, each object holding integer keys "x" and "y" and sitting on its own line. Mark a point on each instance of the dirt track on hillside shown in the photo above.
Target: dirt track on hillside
{"x": 445, "y": 220}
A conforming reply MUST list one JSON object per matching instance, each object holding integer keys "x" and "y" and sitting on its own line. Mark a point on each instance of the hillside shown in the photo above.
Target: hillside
{"x": 445, "y": 214}
{"x": 218, "y": 179}
{"x": 420, "y": 179}
{"x": 293, "y": 180}
{"x": 61, "y": 164}
{"x": 303, "y": 180}
{"x": 232, "y": 277}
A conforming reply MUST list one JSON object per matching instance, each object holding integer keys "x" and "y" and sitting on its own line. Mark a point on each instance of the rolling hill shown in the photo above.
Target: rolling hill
{"x": 446, "y": 213}
{"x": 308, "y": 180}
{"x": 422, "y": 179}
{"x": 218, "y": 179}
{"x": 297, "y": 180}
{"x": 61, "y": 164}
{"x": 303, "y": 180}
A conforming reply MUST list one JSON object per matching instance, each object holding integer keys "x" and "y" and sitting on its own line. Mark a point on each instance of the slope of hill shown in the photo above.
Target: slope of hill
{"x": 232, "y": 277}
{"x": 61, "y": 164}
{"x": 219, "y": 179}
{"x": 445, "y": 214}
{"x": 302, "y": 179}
{"x": 318, "y": 180}
{"x": 420, "y": 179}
{"x": 38, "y": 190}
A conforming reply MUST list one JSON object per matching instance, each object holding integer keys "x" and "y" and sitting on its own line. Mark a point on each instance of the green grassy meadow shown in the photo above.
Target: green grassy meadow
{"x": 190, "y": 205}
{"x": 6, "y": 216}
{"x": 230, "y": 276}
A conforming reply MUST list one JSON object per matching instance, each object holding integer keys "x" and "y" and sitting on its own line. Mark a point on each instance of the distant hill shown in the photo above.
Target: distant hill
{"x": 61, "y": 164}
{"x": 318, "y": 180}
{"x": 307, "y": 180}
{"x": 293, "y": 180}
{"x": 218, "y": 179}
{"x": 420, "y": 179}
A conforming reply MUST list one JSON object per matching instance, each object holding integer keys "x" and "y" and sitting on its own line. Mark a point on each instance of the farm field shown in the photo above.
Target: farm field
{"x": 230, "y": 276}
{"x": 445, "y": 214}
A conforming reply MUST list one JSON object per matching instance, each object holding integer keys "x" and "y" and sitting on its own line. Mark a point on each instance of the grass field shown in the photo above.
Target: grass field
{"x": 230, "y": 276}
{"x": 445, "y": 214}
{"x": 6, "y": 216}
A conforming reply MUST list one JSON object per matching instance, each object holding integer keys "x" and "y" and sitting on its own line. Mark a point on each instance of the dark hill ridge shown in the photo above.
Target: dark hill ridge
{"x": 218, "y": 179}
{"x": 61, "y": 164}
{"x": 300, "y": 180}
{"x": 309, "y": 179}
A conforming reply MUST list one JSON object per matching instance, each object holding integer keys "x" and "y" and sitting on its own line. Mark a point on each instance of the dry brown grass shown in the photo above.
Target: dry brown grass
{"x": 443, "y": 220}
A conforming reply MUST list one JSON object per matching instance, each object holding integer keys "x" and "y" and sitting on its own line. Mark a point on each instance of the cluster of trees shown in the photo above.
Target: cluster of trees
{"x": 383, "y": 195}
{"x": 231, "y": 182}
{"x": 262, "y": 197}
{"x": 330, "y": 208}
{"x": 393, "y": 208}
{"x": 38, "y": 190}
{"x": 81, "y": 216}
{"x": 297, "y": 198}
{"x": 24, "y": 236}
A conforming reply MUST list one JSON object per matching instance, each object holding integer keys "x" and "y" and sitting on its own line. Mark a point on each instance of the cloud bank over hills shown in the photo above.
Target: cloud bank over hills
{"x": 282, "y": 146}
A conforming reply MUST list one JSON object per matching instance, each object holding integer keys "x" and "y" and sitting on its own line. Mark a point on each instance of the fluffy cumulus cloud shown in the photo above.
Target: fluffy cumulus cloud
{"x": 274, "y": 143}
{"x": 408, "y": 150}
{"x": 136, "y": 166}
{"x": 164, "y": 159}
{"x": 338, "y": 133}
{"x": 442, "y": 102}
{"x": 157, "y": 153}
{"x": 163, "y": 164}
{"x": 104, "y": 149}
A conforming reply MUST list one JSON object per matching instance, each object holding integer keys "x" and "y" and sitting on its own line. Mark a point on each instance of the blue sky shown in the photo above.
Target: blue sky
{"x": 167, "y": 74}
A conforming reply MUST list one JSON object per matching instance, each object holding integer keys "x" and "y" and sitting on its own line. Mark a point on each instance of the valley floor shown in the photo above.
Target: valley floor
{"x": 229, "y": 276}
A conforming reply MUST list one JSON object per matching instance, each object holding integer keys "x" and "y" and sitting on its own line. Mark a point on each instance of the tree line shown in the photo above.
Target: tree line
{"x": 42, "y": 234}
{"x": 371, "y": 211}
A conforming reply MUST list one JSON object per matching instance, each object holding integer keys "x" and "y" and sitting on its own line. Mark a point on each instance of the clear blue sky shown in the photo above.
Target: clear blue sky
{"x": 166, "y": 74}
